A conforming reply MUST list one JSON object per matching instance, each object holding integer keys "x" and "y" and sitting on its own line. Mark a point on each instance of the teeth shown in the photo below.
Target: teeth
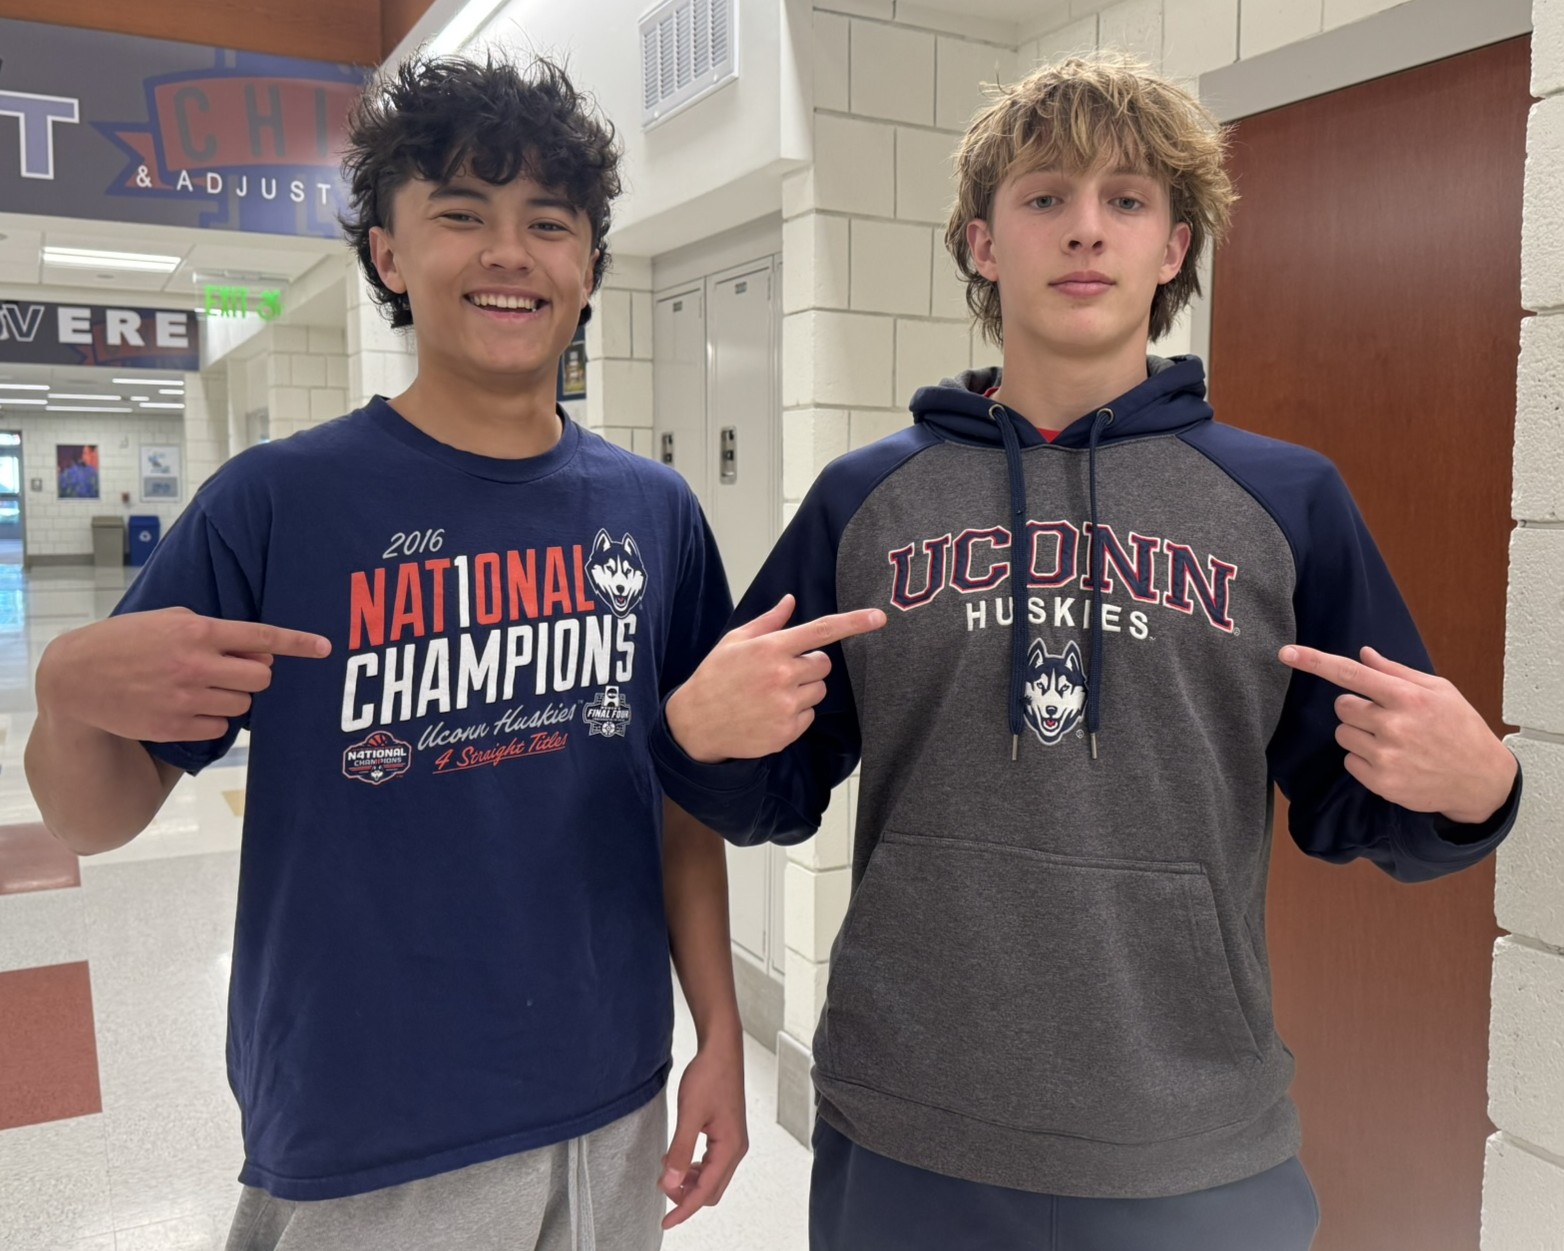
{"x": 509, "y": 302}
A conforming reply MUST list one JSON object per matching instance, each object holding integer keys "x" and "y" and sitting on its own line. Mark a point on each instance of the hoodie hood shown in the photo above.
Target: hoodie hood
{"x": 1172, "y": 398}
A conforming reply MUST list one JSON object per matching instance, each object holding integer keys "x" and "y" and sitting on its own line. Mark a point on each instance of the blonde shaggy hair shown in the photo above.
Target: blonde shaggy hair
{"x": 1071, "y": 116}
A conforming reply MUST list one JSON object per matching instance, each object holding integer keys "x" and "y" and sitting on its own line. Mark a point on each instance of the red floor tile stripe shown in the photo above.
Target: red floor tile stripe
{"x": 48, "y": 1049}
{"x": 31, "y": 858}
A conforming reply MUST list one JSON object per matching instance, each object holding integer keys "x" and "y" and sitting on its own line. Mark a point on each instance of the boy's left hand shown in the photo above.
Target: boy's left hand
{"x": 1411, "y": 737}
{"x": 711, "y": 1102}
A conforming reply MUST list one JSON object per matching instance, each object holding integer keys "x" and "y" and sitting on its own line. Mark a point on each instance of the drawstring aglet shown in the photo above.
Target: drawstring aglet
{"x": 1094, "y": 744}
{"x": 1015, "y": 747}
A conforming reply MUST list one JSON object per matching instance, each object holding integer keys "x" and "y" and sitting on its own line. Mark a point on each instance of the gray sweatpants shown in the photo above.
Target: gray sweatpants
{"x": 595, "y": 1193}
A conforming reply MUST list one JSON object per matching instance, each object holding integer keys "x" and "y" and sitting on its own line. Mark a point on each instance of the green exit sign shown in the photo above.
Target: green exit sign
{"x": 224, "y": 301}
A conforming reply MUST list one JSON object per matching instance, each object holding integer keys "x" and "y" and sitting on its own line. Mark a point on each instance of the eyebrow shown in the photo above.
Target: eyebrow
{"x": 459, "y": 191}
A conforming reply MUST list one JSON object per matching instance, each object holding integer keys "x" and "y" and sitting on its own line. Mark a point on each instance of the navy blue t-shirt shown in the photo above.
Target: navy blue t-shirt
{"x": 451, "y": 943}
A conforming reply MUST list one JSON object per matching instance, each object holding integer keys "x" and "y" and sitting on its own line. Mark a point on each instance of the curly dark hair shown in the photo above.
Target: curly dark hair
{"x": 435, "y": 117}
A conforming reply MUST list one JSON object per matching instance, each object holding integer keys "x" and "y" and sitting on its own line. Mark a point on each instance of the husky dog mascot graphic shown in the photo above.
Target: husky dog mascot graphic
{"x": 617, "y": 572}
{"x": 1055, "y": 691}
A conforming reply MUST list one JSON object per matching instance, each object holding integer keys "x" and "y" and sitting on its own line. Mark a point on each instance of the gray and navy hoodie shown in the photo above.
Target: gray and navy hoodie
{"x": 1052, "y": 974}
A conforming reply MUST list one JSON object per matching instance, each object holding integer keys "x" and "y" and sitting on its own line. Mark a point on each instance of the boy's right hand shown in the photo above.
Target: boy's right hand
{"x": 167, "y": 676}
{"x": 757, "y": 690}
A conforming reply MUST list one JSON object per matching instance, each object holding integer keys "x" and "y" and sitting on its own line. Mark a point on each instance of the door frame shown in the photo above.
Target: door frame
{"x": 1415, "y": 33}
{"x": 21, "y": 489}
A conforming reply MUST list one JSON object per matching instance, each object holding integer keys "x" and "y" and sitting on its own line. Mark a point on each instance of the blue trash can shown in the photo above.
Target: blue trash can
{"x": 144, "y": 534}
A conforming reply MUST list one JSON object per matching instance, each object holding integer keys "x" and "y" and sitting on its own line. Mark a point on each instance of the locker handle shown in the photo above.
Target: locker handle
{"x": 730, "y": 455}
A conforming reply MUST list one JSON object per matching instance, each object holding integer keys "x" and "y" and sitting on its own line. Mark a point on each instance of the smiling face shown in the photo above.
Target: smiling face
{"x": 1077, "y": 257}
{"x": 496, "y": 275}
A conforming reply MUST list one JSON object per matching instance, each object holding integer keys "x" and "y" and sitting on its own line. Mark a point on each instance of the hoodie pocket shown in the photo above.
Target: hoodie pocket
{"x": 1045, "y": 993}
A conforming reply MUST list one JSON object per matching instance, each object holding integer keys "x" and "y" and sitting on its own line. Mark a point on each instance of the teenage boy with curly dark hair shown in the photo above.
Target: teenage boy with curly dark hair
{"x": 450, "y": 1010}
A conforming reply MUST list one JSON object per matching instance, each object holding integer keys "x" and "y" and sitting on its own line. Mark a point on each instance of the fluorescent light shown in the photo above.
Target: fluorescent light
{"x": 172, "y": 391}
{"x": 23, "y": 386}
{"x": 64, "y": 395}
{"x": 149, "y": 404}
{"x": 469, "y": 18}
{"x": 13, "y": 401}
{"x": 87, "y": 258}
{"x": 90, "y": 408}
{"x": 150, "y": 382}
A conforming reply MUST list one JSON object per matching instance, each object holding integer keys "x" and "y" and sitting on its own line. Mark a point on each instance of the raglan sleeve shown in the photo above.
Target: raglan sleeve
{"x": 195, "y": 567}
{"x": 779, "y": 798}
{"x": 1344, "y": 599}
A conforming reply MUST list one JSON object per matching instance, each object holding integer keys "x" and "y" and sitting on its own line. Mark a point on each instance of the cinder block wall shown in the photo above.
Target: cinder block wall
{"x": 1523, "y": 1191}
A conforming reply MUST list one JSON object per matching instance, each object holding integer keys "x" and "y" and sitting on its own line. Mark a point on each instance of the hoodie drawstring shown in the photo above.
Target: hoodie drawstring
{"x": 1012, "y": 441}
{"x": 1100, "y": 422}
{"x": 1018, "y": 613}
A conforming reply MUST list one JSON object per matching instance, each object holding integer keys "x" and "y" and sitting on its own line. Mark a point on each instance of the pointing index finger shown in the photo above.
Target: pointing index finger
{"x": 1342, "y": 671}
{"x": 255, "y": 636}
{"x": 823, "y": 631}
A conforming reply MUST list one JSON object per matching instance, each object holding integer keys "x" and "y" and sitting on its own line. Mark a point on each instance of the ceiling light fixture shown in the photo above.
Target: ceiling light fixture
{"x": 88, "y": 258}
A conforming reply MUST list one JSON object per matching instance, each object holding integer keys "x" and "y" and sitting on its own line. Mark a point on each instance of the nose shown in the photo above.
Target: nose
{"x": 1085, "y": 232}
{"x": 508, "y": 248}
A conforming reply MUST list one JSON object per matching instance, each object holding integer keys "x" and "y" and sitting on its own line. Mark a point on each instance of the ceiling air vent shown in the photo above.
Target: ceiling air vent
{"x": 688, "y": 50}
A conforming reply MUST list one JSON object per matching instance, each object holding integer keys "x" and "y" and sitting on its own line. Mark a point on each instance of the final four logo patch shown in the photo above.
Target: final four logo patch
{"x": 608, "y": 714}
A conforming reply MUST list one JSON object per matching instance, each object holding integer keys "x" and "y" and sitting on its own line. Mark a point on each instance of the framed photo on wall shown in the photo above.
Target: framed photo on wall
{"x": 573, "y": 368}
{"x": 160, "y": 472}
{"x": 76, "y": 470}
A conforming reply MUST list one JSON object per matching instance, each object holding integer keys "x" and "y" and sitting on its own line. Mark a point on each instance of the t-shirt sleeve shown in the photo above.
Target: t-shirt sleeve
{"x": 701, "y": 607}
{"x": 195, "y": 567}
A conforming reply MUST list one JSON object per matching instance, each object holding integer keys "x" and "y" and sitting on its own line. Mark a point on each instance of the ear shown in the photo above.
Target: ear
{"x": 1036, "y": 655}
{"x": 602, "y": 543}
{"x": 631, "y": 547}
{"x": 1072, "y": 657}
{"x": 980, "y": 243}
{"x": 589, "y": 282}
{"x": 1177, "y": 250}
{"x": 382, "y": 250}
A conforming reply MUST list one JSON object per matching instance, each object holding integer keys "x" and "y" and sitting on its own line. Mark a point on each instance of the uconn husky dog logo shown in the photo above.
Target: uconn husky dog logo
{"x": 1055, "y": 691}
{"x": 617, "y": 572}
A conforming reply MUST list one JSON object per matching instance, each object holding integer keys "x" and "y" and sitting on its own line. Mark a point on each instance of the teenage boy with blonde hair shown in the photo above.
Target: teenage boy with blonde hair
{"x": 1048, "y": 1024}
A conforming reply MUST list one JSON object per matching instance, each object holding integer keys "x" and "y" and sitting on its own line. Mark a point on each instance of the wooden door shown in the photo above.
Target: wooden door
{"x": 1368, "y": 305}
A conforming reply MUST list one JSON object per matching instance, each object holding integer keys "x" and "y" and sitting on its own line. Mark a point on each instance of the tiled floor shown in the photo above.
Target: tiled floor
{"x": 117, "y": 1129}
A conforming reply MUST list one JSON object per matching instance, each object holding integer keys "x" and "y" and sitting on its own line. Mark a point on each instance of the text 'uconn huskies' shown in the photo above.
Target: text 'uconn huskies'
{"x": 1149, "y": 570}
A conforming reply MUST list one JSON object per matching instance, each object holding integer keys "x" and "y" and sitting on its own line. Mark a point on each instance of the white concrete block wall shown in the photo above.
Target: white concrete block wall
{"x": 1523, "y": 1184}
{"x": 619, "y": 356}
{"x": 57, "y": 528}
{"x": 205, "y": 427}
{"x": 378, "y": 360}
{"x": 306, "y": 369}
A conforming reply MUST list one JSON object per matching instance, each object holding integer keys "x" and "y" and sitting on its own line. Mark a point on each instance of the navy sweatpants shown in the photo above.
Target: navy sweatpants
{"x": 860, "y": 1201}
